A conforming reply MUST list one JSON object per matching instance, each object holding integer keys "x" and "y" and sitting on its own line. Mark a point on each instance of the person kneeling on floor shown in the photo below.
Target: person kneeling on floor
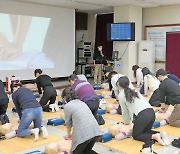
{"x": 86, "y": 130}
{"x": 29, "y": 110}
{"x": 169, "y": 95}
{"x": 135, "y": 108}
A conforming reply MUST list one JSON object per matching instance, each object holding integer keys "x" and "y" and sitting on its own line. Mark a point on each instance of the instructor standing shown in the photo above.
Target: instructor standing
{"x": 98, "y": 60}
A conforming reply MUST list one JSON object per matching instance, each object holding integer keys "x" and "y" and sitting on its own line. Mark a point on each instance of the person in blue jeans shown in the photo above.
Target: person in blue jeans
{"x": 29, "y": 110}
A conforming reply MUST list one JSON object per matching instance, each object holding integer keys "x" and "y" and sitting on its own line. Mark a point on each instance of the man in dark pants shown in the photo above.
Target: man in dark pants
{"x": 4, "y": 100}
{"x": 49, "y": 93}
{"x": 169, "y": 95}
{"x": 85, "y": 92}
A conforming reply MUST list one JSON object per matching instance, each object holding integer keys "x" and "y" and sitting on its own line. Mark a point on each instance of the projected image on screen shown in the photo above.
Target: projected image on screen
{"x": 22, "y": 42}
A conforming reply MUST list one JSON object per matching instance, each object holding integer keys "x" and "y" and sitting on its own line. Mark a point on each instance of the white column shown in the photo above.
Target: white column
{"x": 128, "y": 13}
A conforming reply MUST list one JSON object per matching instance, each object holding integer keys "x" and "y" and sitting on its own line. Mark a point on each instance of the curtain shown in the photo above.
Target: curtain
{"x": 101, "y": 34}
{"x": 173, "y": 52}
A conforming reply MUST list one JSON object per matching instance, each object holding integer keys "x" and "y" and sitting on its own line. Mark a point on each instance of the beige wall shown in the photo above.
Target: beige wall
{"x": 159, "y": 16}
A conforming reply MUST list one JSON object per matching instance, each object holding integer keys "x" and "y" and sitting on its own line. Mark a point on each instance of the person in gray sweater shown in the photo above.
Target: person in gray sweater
{"x": 135, "y": 108}
{"x": 86, "y": 130}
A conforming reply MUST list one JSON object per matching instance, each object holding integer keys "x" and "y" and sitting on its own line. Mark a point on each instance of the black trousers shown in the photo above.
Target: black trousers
{"x": 49, "y": 95}
{"x": 3, "y": 108}
{"x": 93, "y": 105}
{"x": 143, "y": 124}
{"x": 86, "y": 147}
{"x": 155, "y": 98}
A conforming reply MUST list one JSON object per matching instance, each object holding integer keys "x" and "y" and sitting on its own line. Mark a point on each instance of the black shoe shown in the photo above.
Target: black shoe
{"x": 176, "y": 143}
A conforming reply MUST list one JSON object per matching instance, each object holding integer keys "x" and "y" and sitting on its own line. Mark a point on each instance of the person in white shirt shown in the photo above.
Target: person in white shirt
{"x": 151, "y": 83}
{"x": 138, "y": 75}
{"x": 113, "y": 78}
{"x": 136, "y": 109}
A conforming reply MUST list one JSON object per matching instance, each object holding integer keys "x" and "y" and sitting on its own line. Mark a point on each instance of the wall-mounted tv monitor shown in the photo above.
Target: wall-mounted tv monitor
{"x": 121, "y": 31}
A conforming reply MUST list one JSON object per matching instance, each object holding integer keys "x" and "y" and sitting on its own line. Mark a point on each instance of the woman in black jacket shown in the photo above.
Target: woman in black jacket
{"x": 4, "y": 100}
{"x": 49, "y": 93}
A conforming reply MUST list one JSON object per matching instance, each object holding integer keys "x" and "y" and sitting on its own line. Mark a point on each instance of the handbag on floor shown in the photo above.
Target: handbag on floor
{"x": 100, "y": 119}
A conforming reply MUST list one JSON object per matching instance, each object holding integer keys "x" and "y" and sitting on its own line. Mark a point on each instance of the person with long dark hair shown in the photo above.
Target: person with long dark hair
{"x": 151, "y": 87}
{"x": 86, "y": 130}
{"x": 136, "y": 109}
{"x": 151, "y": 83}
{"x": 137, "y": 72}
{"x": 48, "y": 98}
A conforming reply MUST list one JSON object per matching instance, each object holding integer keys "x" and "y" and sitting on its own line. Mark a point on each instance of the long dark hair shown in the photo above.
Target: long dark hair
{"x": 109, "y": 79}
{"x": 69, "y": 94}
{"x": 146, "y": 71}
{"x": 129, "y": 93}
{"x": 134, "y": 68}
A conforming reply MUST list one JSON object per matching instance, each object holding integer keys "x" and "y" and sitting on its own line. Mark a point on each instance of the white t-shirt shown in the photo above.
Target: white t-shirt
{"x": 139, "y": 77}
{"x": 82, "y": 77}
{"x": 151, "y": 83}
{"x": 114, "y": 80}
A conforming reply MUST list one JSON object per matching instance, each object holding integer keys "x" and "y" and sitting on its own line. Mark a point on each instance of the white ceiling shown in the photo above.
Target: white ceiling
{"x": 101, "y": 6}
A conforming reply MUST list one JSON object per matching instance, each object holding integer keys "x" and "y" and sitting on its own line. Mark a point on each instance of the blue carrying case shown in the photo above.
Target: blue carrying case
{"x": 55, "y": 121}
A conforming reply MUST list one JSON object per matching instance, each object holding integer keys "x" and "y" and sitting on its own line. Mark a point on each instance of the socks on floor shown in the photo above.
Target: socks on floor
{"x": 10, "y": 135}
{"x": 44, "y": 132}
{"x": 35, "y": 131}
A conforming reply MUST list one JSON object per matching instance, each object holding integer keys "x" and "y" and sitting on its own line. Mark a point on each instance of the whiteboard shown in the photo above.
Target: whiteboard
{"x": 157, "y": 33}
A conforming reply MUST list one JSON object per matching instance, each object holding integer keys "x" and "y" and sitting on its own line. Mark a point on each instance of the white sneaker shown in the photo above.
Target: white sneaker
{"x": 159, "y": 139}
{"x": 165, "y": 138}
{"x": 52, "y": 107}
{"x": 35, "y": 131}
{"x": 44, "y": 132}
{"x": 56, "y": 107}
{"x": 10, "y": 135}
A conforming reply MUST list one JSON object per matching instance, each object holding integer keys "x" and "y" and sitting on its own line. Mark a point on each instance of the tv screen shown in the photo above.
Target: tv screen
{"x": 121, "y": 31}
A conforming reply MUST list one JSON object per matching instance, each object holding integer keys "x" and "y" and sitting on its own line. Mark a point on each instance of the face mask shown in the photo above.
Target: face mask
{"x": 100, "y": 49}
